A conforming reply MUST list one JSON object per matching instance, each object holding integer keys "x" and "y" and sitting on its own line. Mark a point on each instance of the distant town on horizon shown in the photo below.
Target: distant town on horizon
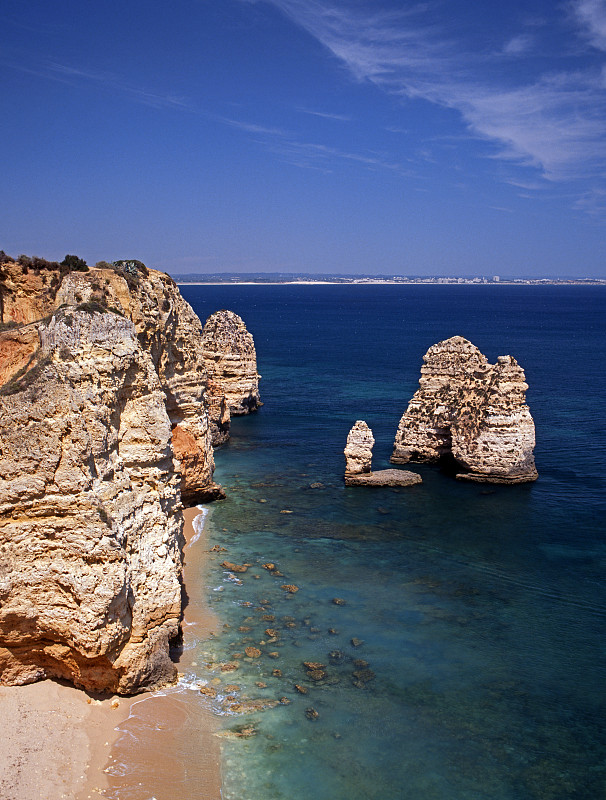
{"x": 306, "y": 278}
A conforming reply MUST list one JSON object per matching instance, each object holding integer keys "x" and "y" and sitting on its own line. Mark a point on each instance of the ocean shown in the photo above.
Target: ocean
{"x": 466, "y": 657}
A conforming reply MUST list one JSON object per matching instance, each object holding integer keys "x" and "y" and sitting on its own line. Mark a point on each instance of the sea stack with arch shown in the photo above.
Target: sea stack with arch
{"x": 358, "y": 462}
{"x": 470, "y": 412}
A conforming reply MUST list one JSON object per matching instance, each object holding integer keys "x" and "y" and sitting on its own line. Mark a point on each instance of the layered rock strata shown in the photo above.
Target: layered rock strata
{"x": 358, "y": 462}
{"x": 471, "y": 411}
{"x": 169, "y": 330}
{"x": 231, "y": 363}
{"x": 104, "y": 427}
{"x": 90, "y": 554}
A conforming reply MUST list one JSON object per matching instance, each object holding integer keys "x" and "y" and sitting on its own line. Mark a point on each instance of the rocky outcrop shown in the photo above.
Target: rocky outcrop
{"x": 358, "y": 450}
{"x": 358, "y": 462}
{"x": 169, "y": 330}
{"x": 90, "y": 555}
{"x": 231, "y": 363}
{"x": 26, "y": 295}
{"x": 471, "y": 412}
{"x": 104, "y": 427}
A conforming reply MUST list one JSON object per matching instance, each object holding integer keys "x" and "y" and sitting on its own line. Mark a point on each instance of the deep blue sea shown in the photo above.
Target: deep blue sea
{"x": 478, "y": 611}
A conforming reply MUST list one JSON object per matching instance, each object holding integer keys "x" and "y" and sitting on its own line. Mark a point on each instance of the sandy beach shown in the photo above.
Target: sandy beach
{"x": 61, "y": 743}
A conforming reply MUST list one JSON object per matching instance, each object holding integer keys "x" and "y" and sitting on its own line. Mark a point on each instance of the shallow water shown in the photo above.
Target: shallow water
{"x": 478, "y": 611}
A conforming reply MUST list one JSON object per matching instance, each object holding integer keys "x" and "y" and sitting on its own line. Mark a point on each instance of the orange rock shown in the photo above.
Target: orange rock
{"x": 234, "y": 567}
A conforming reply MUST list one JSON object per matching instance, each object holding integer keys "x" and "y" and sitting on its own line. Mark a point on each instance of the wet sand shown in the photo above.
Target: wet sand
{"x": 166, "y": 748}
{"x": 60, "y": 743}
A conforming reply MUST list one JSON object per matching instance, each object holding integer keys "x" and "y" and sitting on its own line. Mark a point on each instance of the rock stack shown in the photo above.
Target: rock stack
{"x": 471, "y": 412}
{"x": 231, "y": 364}
{"x": 358, "y": 462}
{"x": 358, "y": 450}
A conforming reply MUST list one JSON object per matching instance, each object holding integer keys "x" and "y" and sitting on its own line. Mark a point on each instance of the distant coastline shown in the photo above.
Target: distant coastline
{"x": 228, "y": 280}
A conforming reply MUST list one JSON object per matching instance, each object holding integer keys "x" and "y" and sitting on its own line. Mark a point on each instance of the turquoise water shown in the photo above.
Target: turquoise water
{"x": 478, "y": 611}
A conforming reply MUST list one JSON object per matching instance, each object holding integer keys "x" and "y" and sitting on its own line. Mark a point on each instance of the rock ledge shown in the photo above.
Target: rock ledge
{"x": 384, "y": 477}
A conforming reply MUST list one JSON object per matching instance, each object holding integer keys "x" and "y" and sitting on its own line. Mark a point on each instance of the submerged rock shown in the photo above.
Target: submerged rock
{"x": 472, "y": 412}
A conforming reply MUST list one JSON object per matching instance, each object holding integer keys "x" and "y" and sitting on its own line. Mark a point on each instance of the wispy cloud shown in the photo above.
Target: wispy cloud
{"x": 592, "y": 202}
{"x": 310, "y": 154}
{"x": 519, "y": 45}
{"x": 325, "y": 114}
{"x": 285, "y": 143}
{"x": 591, "y": 15}
{"x": 521, "y": 184}
{"x": 250, "y": 127}
{"x": 64, "y": 73}
{"x": 555, "y": 122}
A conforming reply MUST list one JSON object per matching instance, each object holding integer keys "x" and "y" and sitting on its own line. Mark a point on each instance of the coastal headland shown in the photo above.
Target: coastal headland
{"x": 106, "y": 430}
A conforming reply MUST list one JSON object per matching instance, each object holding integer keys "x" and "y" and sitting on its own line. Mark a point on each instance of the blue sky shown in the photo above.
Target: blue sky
{"x": 455, "y": 137}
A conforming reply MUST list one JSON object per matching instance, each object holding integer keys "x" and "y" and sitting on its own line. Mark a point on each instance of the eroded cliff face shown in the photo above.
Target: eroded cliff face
{"x": 90, "y": 560}
{"x": 104, "y": 427}
{"x": 169, "y": 330}
{"x": 26, "y": 295}
{"x": 231, "y": 363}
{"x": 472, "y": 411}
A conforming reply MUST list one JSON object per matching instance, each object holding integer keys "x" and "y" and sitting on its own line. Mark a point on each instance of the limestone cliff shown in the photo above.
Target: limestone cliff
{"x": 169, "y": 330}
{"x": 90, "y": 554}
{"x": 231, "y": 363}
{"x": 26, "y": 295}
{"x": 471, "y": 411}
{"x": 103, "y": 428}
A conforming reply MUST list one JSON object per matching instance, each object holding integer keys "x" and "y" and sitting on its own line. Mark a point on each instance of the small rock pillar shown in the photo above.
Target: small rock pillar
{"x": 358, "y": 450}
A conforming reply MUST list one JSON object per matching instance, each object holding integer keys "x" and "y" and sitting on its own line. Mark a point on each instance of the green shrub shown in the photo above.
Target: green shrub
{"x": 74, "y": 264}
{"x": 131, "y": 265}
